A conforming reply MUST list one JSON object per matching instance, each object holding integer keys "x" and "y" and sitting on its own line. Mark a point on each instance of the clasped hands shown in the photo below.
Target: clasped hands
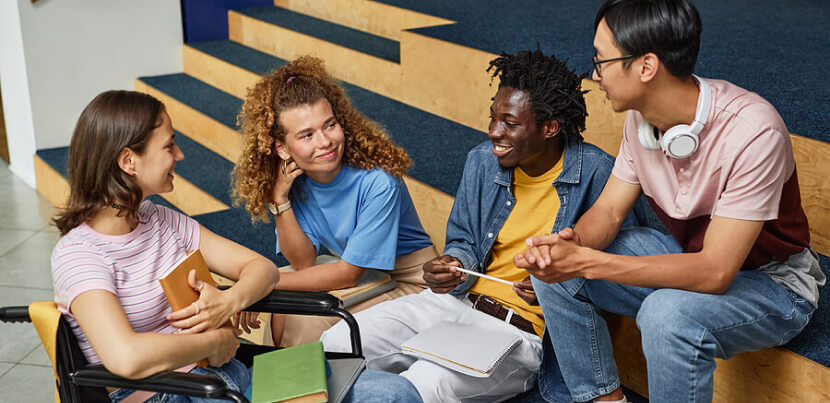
{"x": 553, "y": 258}
{"x": 214, "y": 308}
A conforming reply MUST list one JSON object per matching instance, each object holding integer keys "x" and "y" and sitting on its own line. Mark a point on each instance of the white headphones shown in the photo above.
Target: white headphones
{"x": 680, "y": 141}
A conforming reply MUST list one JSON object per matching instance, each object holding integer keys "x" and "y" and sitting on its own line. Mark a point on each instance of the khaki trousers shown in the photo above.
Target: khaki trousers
{"x": 408, "y": 273}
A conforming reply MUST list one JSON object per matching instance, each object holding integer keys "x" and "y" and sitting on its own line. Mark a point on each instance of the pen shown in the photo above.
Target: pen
{"x": 475, "y": 273}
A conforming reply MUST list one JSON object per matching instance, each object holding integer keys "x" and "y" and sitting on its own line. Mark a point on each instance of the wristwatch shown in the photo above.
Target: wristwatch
{"x": 277, "y": 210}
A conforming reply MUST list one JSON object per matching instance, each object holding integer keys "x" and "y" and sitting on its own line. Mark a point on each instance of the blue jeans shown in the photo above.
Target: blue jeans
{"x": 234, "y": 373}
{"x": 382, "y": 387}
{"x": 682, "y": 331}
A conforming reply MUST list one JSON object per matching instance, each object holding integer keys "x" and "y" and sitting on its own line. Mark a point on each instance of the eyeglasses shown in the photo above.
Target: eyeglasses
{"x": 598, "y": 63}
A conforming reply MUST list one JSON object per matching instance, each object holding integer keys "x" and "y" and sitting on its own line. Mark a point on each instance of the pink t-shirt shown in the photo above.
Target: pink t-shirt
{"x": 129, "y": 266}
{"x": 744, "y": 169}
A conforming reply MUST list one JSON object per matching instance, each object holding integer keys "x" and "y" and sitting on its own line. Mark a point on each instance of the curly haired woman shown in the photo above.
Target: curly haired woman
{"x": 331, "y": 177}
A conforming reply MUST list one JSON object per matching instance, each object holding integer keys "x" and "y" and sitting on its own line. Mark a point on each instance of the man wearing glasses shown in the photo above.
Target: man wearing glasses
{"x": 716, "y": 163}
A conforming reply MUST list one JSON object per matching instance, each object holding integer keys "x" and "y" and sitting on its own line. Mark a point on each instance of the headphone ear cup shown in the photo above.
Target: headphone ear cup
{"x": 680, "y": 142}
{"x": 645, "y": 132}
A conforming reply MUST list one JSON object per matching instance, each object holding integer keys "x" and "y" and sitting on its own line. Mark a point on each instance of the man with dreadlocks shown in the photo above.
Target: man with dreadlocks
{"x": 533, "y": 176}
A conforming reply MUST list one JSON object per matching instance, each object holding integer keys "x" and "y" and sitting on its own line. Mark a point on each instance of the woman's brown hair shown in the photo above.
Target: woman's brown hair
{"x": 302, "y": 82}
{"x": 112, "y": 121}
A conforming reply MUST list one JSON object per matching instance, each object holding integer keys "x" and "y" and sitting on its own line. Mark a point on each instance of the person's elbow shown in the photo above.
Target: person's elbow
{"x": 720, "y": 280}
{"x": 351, "y": 280}
{"x": 349, "y": 275}
{"x": 128, "y": 365}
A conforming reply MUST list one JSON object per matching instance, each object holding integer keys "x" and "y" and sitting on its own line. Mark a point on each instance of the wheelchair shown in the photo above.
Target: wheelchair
{"x": 77, "y": 381}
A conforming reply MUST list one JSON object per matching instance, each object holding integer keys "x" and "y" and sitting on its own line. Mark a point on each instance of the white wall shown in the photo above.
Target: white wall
{"x": 56, "y": 55}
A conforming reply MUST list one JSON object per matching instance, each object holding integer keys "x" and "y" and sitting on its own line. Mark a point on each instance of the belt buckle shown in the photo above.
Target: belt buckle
{"x": 488, "y": 300}
{"x": 484, "y": 300}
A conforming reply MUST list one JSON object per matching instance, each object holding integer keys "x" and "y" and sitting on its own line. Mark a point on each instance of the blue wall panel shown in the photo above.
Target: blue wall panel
{"x": 207, "y": 20}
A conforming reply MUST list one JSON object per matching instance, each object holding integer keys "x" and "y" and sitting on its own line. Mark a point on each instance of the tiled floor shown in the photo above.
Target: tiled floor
{"x": 26, "y": 241}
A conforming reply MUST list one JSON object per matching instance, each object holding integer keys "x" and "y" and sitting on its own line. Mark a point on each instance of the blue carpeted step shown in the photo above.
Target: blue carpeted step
{"x": 58, "y": 158}
{"x": 240, "y": 55}
{"x": 426, "y": 137}
{"x": 205, "y": 169}
{"x": 338, "y": 34}
{"x": 217, "y": 104}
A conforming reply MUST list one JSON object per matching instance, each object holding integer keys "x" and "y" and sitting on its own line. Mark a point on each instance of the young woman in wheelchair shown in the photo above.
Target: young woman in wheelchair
{"x": 330, "y": 177}
{"x": 115, "y": 245}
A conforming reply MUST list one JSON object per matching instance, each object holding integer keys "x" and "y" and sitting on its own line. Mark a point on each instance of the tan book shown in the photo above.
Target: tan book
{"x": 178, "y": 291}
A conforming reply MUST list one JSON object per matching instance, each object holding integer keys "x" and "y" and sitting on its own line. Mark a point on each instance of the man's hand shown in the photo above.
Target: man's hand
{"x": 524, "y": 289}
{"x": 440, "y": 275}
{"x": 553, "y": 258}
{"x": 246, "y": 321}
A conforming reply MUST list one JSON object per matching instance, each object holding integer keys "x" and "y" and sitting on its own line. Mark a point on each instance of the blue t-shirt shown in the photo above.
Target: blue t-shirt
{"x": 365, "y": 217}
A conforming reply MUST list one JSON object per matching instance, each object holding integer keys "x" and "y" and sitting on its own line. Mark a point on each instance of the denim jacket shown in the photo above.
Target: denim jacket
{"x": 484, "y": 200}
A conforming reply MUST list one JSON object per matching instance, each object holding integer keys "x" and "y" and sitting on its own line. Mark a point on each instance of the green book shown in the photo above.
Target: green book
{"x": 295, "y": 374}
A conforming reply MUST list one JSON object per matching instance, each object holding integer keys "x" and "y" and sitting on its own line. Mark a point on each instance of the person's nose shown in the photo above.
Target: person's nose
{"x": 496, "y": 131}
{"x": 323, "y": 140}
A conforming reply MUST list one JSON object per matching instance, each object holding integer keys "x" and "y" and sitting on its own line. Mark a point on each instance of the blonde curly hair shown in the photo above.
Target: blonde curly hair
{"x": 302, "y": 82}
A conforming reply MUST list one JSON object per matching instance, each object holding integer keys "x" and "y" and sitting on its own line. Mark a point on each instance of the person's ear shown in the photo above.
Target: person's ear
{"x": 126, "y": 161}
{"x": 649, "y": 65}
{"x": 281, "y": 150}
{"x": 551, "y": 128}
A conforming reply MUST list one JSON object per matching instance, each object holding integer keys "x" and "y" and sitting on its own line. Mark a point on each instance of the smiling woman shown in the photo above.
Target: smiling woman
{"x": 331, "y": 178}
{"x": 115, "y": 246}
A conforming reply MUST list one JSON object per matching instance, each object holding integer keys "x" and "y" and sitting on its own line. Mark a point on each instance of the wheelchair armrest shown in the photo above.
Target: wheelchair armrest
{"x": 166, "y": 382}
{"x": 14, "y": 314}
{"x": 298, "y": 303}
{"x": 309, "y": 303}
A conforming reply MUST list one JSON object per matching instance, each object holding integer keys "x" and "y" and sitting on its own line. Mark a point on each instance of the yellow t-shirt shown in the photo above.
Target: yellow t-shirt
{"x": 533, "y": 214}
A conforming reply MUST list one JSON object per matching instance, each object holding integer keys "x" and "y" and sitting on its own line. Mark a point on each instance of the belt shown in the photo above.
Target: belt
{"x": 493, "y": 308}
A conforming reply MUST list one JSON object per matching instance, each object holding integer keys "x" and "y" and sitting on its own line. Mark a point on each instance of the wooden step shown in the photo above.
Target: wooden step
{"x": 770, "y": 375}
{"x": 374, "y": 67}
{"x": 369, "y": 16}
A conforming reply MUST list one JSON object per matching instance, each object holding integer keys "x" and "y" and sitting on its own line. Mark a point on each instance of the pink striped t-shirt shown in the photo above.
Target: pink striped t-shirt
{"x": 129, "y": 266}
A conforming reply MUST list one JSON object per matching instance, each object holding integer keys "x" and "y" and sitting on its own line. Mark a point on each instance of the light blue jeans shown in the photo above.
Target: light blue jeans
{"x": 682, "y": 331}
{"x": 235, "y": 374}
{"x": 382, "y": 387}
{"x": 370, "y": 387}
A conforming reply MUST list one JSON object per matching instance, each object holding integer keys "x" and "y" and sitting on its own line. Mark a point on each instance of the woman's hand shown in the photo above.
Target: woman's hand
{"x": 212, "y": 310}
{"x": 225, "y": 346}
{"x": 287, "y": 172}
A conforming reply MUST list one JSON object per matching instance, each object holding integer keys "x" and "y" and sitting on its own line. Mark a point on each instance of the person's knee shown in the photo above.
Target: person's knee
{"x": 378, "y": 386}
{"x": 337, "y": 338}
{"x": 642, "y": 241}
{"x": 551, "y": 292}
{"x": 664, "y": 317}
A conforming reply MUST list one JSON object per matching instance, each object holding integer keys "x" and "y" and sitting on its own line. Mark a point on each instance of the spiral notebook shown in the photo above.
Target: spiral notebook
{"x": 468, "y": 349}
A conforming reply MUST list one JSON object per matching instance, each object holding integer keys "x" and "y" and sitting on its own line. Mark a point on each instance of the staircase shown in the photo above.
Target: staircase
{"x": 433, "y": 98}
